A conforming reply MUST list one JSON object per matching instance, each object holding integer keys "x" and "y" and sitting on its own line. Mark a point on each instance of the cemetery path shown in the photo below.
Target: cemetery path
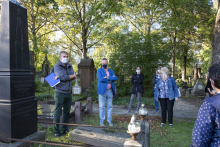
{"x": 182, "y": 109}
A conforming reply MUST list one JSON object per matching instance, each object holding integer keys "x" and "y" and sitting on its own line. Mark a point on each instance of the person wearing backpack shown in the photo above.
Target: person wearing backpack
{"x": 166, "y": 92}
{"x": 206, "y": 131}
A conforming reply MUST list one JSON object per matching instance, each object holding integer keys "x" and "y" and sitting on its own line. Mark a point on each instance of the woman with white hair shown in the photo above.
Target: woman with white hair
{"x": 166, "y": 92}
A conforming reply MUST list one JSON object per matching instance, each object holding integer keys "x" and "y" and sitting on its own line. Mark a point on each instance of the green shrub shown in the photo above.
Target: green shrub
{"x": 38, "y": 85}
{"x": 92, "y": 91}
{"x": 180, "y": 84}
{"x": 123, "y": 88}
{"x": 43, "y": 97}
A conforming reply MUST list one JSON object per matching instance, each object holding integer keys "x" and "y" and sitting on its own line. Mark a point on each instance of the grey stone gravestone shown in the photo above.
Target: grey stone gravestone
{"x": 199, "y": 89}
{"x": 86, "y": 68}
{"x": 18, "y": 107}
{"x": 99, "y": 137}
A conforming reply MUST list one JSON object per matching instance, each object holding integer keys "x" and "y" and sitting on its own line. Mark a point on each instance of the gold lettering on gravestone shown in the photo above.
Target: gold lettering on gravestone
{"x": 22, "y": 88}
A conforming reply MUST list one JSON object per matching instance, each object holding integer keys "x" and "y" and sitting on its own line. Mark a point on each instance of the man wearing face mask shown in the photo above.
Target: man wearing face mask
{"x": 63, "y": 97}
{"x": 105, "y": 91}
{"x": 155, "y": 79}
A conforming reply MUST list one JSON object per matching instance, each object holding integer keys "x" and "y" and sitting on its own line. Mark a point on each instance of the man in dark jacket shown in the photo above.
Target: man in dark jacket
{"x": 137, "y": 89}
{"x": 63, "y": 97}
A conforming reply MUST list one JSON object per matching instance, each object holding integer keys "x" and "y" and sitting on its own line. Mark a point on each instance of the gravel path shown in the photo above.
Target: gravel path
{"x": 182, "y": 109}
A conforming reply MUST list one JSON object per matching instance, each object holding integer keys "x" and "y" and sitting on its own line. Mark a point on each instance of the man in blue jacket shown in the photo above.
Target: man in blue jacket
{"x": 63, "y": 97}
{"x": 105, "y": 91}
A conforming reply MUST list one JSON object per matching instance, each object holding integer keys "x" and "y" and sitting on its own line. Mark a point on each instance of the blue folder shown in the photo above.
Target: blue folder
{"x": 50, "y": 80}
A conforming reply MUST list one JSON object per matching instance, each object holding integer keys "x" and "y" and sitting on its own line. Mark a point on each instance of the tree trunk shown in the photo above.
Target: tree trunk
{"x": 216, "y": 40}
{"x": 84, "y": 33}
{"x": 184, "y": 65}
{"x": 174, "y": 54}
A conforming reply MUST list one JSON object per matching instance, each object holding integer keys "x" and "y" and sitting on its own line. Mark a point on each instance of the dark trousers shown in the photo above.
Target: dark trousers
{"x": 166, "y": 106}
{"x": 62, "y": 100}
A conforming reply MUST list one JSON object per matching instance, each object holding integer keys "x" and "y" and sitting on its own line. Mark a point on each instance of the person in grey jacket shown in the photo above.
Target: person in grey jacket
{"x": 63, "y": 97}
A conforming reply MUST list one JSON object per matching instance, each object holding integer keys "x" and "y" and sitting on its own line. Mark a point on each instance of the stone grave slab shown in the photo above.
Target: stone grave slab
{"x": 99, "y": 136}
{"x": 199, "y": 89}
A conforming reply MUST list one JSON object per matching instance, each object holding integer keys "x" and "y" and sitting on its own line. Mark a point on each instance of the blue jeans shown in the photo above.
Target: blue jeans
{"x": 132, "y": 101}
{"x": 156, "y": 105}
{"x": 107, "y": 97}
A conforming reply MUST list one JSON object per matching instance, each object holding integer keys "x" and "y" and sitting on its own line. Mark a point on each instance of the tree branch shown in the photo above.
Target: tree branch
{"x": 66, "y": 35}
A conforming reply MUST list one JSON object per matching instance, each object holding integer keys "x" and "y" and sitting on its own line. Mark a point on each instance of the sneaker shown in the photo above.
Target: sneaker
{"x": 102, "y": 124}
{"x": 171, "y": 125}
{"x": 127, "y": 112}
{"x": 57, "y": 134}
{"x": 162, "y": 124}
{"x": 64, "y": 132}
{"x": 110, "y": 124}
{"x": 137, "y": 112}
{"x": 156, "y": 111}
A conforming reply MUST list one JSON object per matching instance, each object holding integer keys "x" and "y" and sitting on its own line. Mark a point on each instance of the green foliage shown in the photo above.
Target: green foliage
{"x": 123, "y": 88}
{"x": 127, "y": 50}
{"x": 38, "y": 85}
{"x": 179, "y": 84}
{"x": 43, "y": 97}
{"x": 92, "y": 91}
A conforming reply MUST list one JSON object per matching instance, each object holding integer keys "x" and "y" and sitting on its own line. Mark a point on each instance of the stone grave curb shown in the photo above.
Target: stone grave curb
{"x": 38, "y": 136}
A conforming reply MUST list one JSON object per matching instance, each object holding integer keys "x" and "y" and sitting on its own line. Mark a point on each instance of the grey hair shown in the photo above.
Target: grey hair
{"x": 165, "y": 69}
{"x": 63, "y": 52}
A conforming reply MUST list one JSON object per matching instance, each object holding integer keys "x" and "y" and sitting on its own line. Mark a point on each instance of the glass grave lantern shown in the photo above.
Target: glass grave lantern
{"x": 143, "y": 112}
{"x": 134, "y": 127}
{"x": 76, "y": 88}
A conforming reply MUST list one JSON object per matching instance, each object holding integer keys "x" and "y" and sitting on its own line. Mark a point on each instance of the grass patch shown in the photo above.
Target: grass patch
{"x": 179, "y": 135}
{"x": 46, "y": 91}
{"x": 44, "y": 94}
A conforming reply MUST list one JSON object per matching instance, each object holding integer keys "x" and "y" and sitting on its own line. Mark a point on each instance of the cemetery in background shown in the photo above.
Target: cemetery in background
{"x": 34, "y": 32}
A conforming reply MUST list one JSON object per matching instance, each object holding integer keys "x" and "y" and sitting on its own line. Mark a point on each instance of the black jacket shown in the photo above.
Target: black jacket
{"x": 137, "y": 83}
{"x": 208, "y": 85}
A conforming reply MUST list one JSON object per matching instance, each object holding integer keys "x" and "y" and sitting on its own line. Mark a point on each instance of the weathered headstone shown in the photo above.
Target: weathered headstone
{"x": 99, "y": 136}
{"x": 86, "y": 73}
{"x": 199, "y": 89}
{"x": 18, "y": 107}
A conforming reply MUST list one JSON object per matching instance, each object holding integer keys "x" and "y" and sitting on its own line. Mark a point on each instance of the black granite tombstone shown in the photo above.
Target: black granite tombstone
{"x": 18, "y": 107}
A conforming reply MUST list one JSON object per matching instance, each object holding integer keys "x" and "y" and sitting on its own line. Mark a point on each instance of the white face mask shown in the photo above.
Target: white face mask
{"x": 158, "y": 71}
{"x": 64, "y": 60}
{"x": 138, "y": 71}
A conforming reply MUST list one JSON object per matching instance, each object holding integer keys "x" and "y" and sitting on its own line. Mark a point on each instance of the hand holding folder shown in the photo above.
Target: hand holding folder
{"x": 52, "y": 79}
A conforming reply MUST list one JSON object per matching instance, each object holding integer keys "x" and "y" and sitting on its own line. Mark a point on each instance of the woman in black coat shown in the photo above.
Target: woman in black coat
{"x": 137, "y": 89}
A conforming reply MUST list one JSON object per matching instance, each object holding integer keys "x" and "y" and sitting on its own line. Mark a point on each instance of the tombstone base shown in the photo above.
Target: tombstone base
{"x": 18, "y": 119}
{"x": 38, "y": 136}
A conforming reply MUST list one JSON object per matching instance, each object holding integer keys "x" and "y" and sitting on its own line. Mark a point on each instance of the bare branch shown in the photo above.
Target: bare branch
{"x": 67, "y": 35}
